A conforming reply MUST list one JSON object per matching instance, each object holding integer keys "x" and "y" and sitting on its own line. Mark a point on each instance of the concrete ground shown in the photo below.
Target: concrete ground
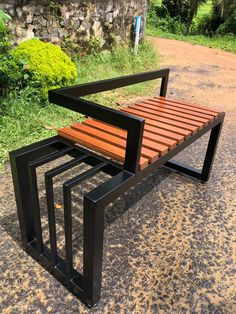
{"x": 170, "y": 242}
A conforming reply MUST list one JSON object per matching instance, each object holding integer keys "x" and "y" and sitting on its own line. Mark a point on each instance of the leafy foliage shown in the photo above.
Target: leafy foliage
{"x": 229, "y": 26}
{"x": 9, "y": 73}
{"x": 161, "y": 18}
{"x": 44, "y": 65}
{"x": 224, "y": 16}
{"x": 8, "y": 68}
{"x": 183, "y": 10}
{"x": 24, "y": 119}
{"x": 5, "y": 37}
{"x": 178, "y": 17}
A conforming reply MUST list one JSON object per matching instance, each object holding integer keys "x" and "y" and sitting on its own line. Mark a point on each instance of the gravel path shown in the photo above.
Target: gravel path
{"x": 170, "y": 244}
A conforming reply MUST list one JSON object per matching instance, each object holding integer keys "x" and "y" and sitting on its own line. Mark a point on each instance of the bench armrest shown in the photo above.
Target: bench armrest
{"x": 69, "y": 98}
{"x": 105, "y": 85}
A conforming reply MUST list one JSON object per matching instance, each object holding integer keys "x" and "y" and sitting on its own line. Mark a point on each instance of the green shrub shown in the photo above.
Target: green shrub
{"x": 229, "y": 26}
{"x": 204, "y": 25}
{"x": 44, "y": 65}
{"x": 10, "y": 73}
{"x": 5, "y": 37}
{"x": 8, "y": 68}
{"x": 159, "y": 17}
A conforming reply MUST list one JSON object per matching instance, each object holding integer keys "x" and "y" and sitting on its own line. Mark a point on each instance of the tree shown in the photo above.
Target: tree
{"x": 223, "y": 16}
{"x": 185, "y": 10}
{"x": 224, "y": 8}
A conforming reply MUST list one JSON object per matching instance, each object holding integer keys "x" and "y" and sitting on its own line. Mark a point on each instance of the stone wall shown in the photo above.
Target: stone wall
{"x": 76, "y": 21}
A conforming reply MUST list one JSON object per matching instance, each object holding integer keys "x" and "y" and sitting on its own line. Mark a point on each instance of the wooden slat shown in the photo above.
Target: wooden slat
{"x": 170, "y": 143}
{"x": 161, "y": 149}
{"x": 147, "y": 150}
{"x": 101, "y": 146}
{"x": 200, "y": 110}
{"x": 106, "y": 127}
{"x": 181, "y": 108}
{"x": 159, "y": 124}
{"x": 154, "y": 117}
{"x": 190, "y": 104}
{"x": 172, "y": 116}
{"x": 171, "y": 135}
{"x": 176, "y": 112}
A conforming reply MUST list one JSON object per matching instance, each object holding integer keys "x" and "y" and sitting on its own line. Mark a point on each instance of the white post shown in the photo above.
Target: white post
{"x": 137, "y": 32}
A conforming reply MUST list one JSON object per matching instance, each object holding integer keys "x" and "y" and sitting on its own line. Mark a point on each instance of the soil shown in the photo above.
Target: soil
{"x": 199, "y": 74}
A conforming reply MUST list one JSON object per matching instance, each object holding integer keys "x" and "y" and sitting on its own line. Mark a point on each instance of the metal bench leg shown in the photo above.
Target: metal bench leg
{"x": 93, "y": 249}
{"x": 204, "y": 174}
{"x": 20, "y": 160}
{"x": 211, "y": 151}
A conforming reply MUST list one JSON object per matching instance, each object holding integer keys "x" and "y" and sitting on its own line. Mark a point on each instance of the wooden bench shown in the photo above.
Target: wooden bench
{"x": 127, "y": 144}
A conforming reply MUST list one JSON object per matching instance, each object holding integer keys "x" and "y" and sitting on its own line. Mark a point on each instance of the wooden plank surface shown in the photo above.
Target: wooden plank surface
{"x": 183, "y": 105}
{"x": 101, "y": 146}
{"x": 149, "y": 119}
{"x": 157, "y": 136}
{"x": 171, "y": 116}
{"x": 148, "y": 150}
{"x": 168, "y": 122}
{"x": 177, "y": 112}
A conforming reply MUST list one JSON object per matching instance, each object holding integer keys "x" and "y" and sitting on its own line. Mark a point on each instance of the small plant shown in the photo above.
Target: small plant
{"x": 4, "y": 17}
{"x": 53, "y": 6}
{"x": 44, "y": 65}
{"x": 70, "y": 47}
{"x": 95, "y": 44}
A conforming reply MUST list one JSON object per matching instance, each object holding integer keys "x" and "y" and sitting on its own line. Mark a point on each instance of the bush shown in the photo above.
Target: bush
{"x": 229, "y": 26}
{"x": 179, "y": 9}
{"x": 204, "y": 26}
{"x": 44, "y": 65}
{"x": 172, "y": 25}
{"x": 5, "y": 37}
{"x": 159, "y": 17}
{"x": 8, "y": 68}
{"x": 10, "y": 73}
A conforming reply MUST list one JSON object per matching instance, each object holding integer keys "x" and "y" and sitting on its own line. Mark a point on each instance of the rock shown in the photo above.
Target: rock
{"x": 109, "y": 17}
{"x": 97, "y": 29}
{"x": 29, "y": 18}
{"x": 19, "y": 12}
{"x": 62, "y": 32}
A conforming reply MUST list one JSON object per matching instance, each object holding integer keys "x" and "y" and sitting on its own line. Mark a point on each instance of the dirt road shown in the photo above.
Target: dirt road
{"x": 199, "y": 74}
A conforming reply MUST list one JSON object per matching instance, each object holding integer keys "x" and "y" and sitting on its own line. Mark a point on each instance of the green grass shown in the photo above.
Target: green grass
{"x": 24, "y": 119}
{"x": 227, "y": 42}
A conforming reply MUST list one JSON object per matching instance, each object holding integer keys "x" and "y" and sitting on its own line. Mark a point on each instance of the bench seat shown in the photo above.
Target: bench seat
{"x": 168, "y": 122}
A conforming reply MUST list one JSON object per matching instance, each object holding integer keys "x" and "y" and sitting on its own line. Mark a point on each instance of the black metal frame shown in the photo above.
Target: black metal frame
{"x": 69, "y": 98}
{"x": 24, "y": 162}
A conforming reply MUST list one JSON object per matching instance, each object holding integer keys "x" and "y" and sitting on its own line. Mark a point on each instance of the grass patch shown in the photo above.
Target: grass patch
{"x": 24, "y": 120}
{"x": 227, "y": 42}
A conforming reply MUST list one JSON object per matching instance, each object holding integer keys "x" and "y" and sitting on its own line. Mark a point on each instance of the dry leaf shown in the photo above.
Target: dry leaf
{"x": 58, "y": 206}
{"x": 48, "y": 127}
